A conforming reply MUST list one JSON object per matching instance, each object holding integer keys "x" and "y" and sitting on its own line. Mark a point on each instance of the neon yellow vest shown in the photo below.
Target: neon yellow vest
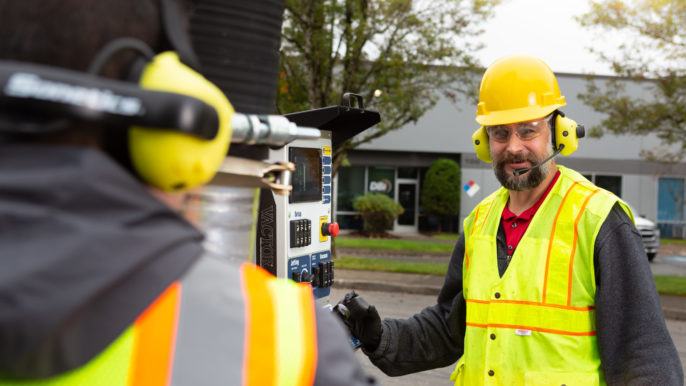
{"x": 536, "y": 324}
{"x": 269, "y": 324}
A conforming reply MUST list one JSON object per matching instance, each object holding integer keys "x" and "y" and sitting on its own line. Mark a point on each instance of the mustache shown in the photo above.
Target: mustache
{"x": 513, "y": 158}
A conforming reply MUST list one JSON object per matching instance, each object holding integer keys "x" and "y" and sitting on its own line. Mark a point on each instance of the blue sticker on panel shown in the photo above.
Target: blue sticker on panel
{"x": 316, "y": 269}
{"x": 299, "y": 266}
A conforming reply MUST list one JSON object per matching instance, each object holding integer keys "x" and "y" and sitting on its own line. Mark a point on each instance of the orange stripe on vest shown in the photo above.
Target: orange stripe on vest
{"x": 154, "y": 340}
{"x": 539, "y": 329}
{"x": 259, "y": 357}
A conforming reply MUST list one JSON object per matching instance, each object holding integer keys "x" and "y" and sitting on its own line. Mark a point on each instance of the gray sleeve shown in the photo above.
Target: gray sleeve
{"x": 635, "y": 346}
{"x": 432, "y": 338}
{"x": 336, "y": 362}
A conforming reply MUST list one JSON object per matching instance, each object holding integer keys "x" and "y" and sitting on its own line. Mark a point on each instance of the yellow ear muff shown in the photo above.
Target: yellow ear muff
{"x": 480, "y": 141}
{"x": 169, "y": 159}
{"x": 567, "y": 133}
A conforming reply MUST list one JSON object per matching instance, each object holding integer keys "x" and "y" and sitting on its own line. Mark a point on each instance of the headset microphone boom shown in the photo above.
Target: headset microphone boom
{"x": 519, "y": 172}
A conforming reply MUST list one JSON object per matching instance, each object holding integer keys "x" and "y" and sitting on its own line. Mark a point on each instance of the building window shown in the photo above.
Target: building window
{"x": 671, "y": 211}
{"x": 350, "y": 185}
{"x": 607, "y": 182}
{"x": 354, "y": 181}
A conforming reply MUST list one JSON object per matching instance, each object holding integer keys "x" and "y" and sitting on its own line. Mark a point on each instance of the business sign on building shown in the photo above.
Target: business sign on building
{"x": 381, "y": 186}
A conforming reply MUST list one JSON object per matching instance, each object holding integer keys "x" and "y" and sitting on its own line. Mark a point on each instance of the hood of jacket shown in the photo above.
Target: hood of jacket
{"x": 84, "y": 249}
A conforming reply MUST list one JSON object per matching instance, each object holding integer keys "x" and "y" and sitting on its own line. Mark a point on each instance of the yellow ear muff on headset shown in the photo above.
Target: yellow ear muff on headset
{"x": 169, "y": 159}
{"x": 567, "y": 133}
{"x": 480, "y": 141}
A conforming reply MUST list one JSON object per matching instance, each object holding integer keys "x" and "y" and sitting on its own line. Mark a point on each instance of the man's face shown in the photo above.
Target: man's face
{"x": 517, "y": 146}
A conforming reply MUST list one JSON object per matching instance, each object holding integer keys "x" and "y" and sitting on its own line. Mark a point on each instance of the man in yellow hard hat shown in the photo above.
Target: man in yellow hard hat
{"x": 101, "y": 283}
{"x": 549, "y": 282}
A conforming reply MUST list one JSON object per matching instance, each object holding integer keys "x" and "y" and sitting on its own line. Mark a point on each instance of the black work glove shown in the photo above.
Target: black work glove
{"x": 361, "y": 318}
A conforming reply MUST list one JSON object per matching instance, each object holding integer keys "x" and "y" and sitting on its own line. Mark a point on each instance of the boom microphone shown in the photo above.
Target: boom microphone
{"x": 518, "y": 172}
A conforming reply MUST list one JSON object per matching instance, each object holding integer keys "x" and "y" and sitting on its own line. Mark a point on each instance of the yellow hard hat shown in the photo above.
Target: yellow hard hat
{"x": 517, "y": 88}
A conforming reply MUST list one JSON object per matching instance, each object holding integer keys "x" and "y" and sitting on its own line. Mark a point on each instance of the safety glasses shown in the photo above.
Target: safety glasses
{"x": 525, "y": 131}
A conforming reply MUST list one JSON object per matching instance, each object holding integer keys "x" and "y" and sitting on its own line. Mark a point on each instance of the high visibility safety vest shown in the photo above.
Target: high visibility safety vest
{"x": 536, "y": 324}
{"x": 219, "y": 324}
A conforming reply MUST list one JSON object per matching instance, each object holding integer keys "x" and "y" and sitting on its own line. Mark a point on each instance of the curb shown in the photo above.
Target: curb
{"x": 673, "y": 313}
{"x": 386, "y": 287}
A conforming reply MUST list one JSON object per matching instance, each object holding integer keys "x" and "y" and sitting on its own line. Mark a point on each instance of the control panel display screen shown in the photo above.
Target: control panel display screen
{"x": 307, "y": 178}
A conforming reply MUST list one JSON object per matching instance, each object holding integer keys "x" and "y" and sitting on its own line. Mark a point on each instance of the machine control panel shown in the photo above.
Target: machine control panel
{"x": 294, "y": 231}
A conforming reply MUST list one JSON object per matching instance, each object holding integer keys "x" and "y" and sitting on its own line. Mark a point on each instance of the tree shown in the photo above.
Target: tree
{"x": 654, "y": 56}
{"x": 410, "y": 51}
{"x": 441, "y": 191}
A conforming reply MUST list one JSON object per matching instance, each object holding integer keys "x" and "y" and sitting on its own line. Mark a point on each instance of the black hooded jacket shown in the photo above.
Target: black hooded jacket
{"x": 84, "y": 249}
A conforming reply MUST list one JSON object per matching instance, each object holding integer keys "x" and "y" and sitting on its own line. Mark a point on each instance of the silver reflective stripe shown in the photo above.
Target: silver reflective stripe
{"x": 210, "y": 337}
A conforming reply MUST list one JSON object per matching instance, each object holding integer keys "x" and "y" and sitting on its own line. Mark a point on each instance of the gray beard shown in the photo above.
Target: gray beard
{"x": 526, "y": 181}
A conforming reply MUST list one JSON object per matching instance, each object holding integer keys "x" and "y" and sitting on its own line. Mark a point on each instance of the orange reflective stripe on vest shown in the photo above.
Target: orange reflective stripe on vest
{"x": 259, "y": 342}
{"x": 153, "y": 347}
{"x": 280, "y": 340}
{"x": 557, "y": 285}
{"x": 532, "y": 316}
{"x": 276, "y": 334}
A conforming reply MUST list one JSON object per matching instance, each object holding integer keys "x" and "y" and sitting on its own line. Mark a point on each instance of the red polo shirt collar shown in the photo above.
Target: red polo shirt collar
{"x": 515, "y": 226}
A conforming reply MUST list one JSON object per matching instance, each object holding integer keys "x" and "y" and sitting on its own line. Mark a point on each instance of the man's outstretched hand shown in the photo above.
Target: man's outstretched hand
{"x": 361, "y": 318}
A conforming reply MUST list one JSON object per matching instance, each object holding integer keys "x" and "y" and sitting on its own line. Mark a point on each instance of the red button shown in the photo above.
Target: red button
{"x": 333, "y": 229}
{"x": 330, "y": 229}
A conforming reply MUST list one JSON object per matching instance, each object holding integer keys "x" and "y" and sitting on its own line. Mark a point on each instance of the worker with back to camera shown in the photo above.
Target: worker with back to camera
{"x": 548, "y": 283}
{"x": 101, "y": 283}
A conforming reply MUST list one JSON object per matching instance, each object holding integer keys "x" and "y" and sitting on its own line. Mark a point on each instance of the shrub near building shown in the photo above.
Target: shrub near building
{"x": 378, "y": 212}
{"x": 440, "y": 195}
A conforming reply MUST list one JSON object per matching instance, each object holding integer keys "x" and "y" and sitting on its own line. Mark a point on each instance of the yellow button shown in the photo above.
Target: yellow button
{"x": 322, "y": 220}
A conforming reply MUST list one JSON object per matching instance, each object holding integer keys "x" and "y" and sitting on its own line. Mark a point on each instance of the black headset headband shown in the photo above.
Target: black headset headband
{"x": 48, "y": 92}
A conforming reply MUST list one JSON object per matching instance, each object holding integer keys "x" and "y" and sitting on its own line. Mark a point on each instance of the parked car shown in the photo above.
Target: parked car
{"x": 650, "y": 234}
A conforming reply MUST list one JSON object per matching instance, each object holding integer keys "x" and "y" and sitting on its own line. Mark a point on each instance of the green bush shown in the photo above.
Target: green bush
{"x": 440, "y": 195}
{"x": 378, "y": 212}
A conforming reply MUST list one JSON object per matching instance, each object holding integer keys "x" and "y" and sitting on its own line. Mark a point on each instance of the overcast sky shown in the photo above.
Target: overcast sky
{"x": 544, "y": 28}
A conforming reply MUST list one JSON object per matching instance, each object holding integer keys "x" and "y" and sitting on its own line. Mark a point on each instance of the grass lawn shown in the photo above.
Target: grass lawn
{"x": 366, "y": 264}
{"x": 670, "y": 285}
{"x": 394, "y": 244}
{"x": 446, "y": 236}
{"x": 673, "y": 241}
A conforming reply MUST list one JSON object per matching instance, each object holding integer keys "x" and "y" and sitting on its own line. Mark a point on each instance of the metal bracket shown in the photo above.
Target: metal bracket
{"x": 249, "y": 173}
{"x": 348, "y": 98}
